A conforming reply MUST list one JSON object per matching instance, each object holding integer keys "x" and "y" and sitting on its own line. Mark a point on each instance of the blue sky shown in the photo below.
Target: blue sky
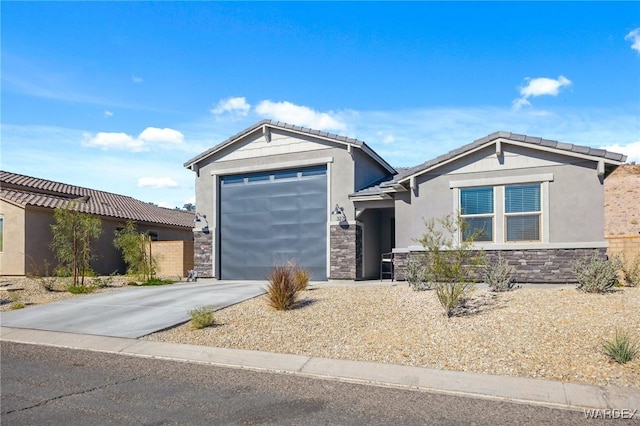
{"x": 118, "y": 95}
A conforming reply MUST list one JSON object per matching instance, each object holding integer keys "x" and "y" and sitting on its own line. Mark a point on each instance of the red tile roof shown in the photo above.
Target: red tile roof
{"x": 31, "y": 191}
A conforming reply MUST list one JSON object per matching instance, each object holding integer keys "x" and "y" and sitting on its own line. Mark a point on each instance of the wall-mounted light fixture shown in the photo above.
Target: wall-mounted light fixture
{"x": 199, "y": 218}
{"x": 339, "y": 212}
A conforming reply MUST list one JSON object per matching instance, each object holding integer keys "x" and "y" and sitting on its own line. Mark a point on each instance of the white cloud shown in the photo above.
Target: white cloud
{"x": 108, "y": 113}
{"x": 106, "y": 141}
{"x": 149, "y": 136}
{"x": 631, "y": 150}
{"x": 539, "y": 87}
{"x": 300, "y": 115}
{"x": 386, "y": 138}
{"x": 165, "y": 204}
{"x": 136, "y": 79}
{"x": 161, "y": 182}
{"x": 634, "y": 36}
{"x": 237, "y": 105}
{"x": 156, "y": 135}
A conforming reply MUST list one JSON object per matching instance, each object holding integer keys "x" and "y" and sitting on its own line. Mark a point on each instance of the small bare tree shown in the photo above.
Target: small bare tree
{"x": 73, "y": 234}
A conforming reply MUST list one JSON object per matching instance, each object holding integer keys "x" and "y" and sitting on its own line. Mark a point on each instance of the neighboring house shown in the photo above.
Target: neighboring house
{"x": 276, "y": 192}
{"x": 27, "y": 205}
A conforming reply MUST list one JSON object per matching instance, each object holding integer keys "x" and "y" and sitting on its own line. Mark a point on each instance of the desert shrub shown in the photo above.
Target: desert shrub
{"x": 499, "y": 275}
{"x": 103, "y": 282}
{"x": 416, "y": 273}
{"x": 80, "y": 289}
{"x": 450, "y": 259}
{"x": 202, "y": 317}
{"x": 631, "y": 271}
{"x": 301, "y": 277}
{"x": 622, "y": 348}
{"x": 282, "y": 292}
{"x": 46, "y": 280}
{"x": 16, "y": 305}
{"x": 136, "y": 251}
{"x": 596, "y": 274}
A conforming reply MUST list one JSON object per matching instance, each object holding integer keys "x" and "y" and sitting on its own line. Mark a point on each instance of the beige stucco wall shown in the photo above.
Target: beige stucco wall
{"x": 175, "y": 258}
{"x": 626, "y": 246}
{"x": 575, "y": 195}
{"x": 12, "y": 259}
{"x": 28, "y": 233}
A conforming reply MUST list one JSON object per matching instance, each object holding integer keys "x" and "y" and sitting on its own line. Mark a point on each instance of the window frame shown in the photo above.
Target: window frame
{"x": 538, "y": 213}
{"x": 491, "y": 215}
{"x": 499, "y": 184}
{"x": 1, "y": 234}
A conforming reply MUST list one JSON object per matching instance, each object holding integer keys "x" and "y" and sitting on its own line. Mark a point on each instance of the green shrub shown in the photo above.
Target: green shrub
{"x": 282, "y": 292}
{"x": 596, "y": 274}
{"x": 451, "y": 295}
{"x": 499, "y": 275}
{"x": 622, "y": 348}
{"x": 631, "y": 271}
{"x": 80, "y": 289}
{"x": 17, "y": 305}
{"x": 157, "y": 281}
{"x": 202, "y": 317}
{"x": 416, "y": 273}
{"x": 450, "y": 260}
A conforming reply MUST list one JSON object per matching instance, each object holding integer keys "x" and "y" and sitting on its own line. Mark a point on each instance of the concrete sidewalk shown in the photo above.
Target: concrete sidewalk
{"x": 514, "y": 389}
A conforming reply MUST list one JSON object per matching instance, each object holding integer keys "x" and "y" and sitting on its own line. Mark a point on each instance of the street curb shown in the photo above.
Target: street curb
{"x": 504, "y": 388}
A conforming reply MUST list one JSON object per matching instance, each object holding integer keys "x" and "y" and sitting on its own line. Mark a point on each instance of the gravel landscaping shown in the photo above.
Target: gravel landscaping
{"x": 29, "y": 291}
{"x": 553, "y": 334}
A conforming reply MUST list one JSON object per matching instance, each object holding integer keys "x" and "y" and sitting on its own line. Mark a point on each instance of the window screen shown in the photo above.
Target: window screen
{"x": 476, "y": 207}
{"x": 522, "y": 211}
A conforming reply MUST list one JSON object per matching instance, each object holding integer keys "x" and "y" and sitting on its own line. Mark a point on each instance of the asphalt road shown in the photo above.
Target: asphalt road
{"x": 52, "y": 386}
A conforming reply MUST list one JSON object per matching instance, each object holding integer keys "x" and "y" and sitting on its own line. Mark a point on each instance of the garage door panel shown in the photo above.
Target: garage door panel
{"x": 270, "y": 218}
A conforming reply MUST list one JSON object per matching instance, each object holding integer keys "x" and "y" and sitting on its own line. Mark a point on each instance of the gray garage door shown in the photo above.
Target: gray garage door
{"x": 273, "y": 217}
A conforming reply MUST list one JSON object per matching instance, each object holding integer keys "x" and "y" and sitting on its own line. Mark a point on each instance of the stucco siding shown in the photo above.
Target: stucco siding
{"x": 575, "y": 211}
{"x": 367, "y": 171}
{"x": 12, "y": 261}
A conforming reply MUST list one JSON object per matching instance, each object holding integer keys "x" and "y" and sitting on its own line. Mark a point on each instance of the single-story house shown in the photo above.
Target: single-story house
{"x": 276, "y": 192}
{"x": 27, "y": 205}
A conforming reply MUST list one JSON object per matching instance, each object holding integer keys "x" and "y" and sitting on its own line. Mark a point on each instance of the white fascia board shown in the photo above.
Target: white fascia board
{"x": 373, "y": 197}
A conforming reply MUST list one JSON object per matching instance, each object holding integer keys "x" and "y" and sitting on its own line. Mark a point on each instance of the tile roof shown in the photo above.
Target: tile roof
{"x": 405, "y": 173}
{"x": 286, "y": 126}
{"x": 31, "y": 191}
{"x": 533, "y": 141}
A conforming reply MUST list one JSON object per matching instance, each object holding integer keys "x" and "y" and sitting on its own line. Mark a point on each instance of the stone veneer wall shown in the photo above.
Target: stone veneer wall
{"x": 345, "y": 242}
{"x": 202, "y": 253}
{"x": 541, "y": 266}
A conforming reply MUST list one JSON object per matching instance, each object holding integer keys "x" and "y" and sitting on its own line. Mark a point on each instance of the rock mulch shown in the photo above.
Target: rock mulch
{"x": 30, "y": 291}
{"x": 553, "y": 334}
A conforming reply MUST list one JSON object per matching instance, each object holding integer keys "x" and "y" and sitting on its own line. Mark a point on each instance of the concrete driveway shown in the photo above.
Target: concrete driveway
{"x": 132, "y": 311}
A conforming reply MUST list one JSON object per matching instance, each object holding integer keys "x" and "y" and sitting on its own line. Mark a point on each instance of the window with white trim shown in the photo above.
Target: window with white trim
{"x": 523, "y": 213}
{"x": 476, "y": 208}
